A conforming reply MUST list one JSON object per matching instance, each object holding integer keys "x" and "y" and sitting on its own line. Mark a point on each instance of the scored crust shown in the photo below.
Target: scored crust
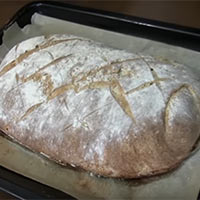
{"x": 110, "y": 112}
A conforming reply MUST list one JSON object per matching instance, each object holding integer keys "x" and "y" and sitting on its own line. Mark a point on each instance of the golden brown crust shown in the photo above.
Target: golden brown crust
{"x": 107, "y": 111}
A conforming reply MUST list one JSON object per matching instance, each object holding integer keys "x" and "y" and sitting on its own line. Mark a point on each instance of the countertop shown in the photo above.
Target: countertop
{"x": 184, "y": 13}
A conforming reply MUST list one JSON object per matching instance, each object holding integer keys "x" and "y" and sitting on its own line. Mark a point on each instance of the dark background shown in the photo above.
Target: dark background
{"x": 184, "y": 12}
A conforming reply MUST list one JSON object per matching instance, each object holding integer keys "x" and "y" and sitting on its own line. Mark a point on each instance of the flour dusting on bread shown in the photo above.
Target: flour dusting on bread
{"x": 102, "y": 109}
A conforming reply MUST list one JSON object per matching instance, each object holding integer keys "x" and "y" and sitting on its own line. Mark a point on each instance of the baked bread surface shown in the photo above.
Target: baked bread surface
{"x": 107, "y": 111}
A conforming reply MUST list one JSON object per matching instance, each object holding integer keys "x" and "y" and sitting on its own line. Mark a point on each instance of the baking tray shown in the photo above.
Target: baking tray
{"x": 23, "y": 188}
{"x": 163, "y": 32}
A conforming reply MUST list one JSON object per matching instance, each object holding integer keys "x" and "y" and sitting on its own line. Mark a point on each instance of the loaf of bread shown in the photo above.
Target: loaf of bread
{"x": 107, "y": 111}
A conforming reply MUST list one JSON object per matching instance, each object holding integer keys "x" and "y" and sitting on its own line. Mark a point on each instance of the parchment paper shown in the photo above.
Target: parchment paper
{"x": 183, "y": 183}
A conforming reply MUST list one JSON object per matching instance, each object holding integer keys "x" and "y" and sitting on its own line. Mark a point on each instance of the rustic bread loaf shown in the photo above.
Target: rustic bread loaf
{"x": 107, "y": 111}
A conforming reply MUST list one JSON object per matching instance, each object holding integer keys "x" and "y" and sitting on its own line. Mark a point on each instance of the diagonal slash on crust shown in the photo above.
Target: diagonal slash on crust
{"x": 25, "y": 55}
{"x": 173, "y": 95}
{"x": 112, "y": 83}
